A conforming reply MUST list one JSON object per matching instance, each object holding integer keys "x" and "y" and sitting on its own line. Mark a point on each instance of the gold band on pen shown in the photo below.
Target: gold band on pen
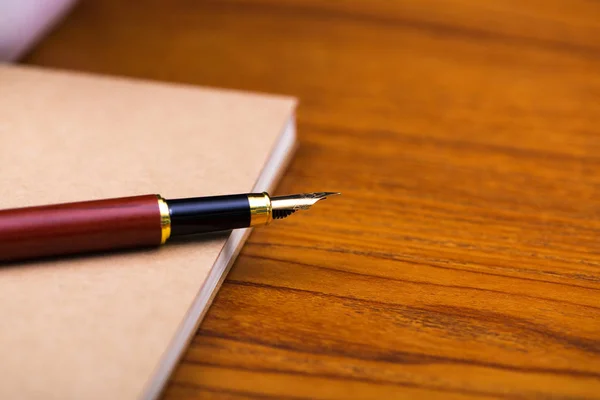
{"x": 165, "y": 219}
{"x": 261, "y": 211}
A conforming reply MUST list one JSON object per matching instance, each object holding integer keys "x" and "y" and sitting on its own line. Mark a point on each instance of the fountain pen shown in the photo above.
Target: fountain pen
{"x": 137, "y": 221}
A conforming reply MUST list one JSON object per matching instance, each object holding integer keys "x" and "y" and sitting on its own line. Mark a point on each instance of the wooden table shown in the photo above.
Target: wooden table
{"x": 463, "y": 259}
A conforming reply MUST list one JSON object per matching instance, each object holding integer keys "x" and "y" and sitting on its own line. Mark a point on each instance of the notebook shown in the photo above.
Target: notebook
{"x": 112, "y": 326}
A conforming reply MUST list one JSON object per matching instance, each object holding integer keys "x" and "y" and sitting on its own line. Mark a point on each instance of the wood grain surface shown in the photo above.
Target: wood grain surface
{"x": 462, "y": 260}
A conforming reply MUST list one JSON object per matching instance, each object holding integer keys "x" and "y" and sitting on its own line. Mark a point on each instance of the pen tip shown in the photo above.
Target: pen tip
{"x": 284, "y": 206}
{"x": 323, "y": 195}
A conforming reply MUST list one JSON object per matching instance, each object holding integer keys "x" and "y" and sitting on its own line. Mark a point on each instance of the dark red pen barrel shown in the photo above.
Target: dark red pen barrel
{"x": 80, "y": 227}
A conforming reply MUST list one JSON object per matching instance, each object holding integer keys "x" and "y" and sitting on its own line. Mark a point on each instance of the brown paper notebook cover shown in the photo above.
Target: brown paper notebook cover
{"x": 112, "y": 326}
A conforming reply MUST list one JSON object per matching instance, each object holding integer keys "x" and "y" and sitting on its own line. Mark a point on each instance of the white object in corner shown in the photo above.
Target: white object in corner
{"x": 24, "y": 22}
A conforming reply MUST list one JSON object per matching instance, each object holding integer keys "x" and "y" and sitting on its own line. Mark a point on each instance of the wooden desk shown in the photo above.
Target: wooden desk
{"x": 463, "y": 259}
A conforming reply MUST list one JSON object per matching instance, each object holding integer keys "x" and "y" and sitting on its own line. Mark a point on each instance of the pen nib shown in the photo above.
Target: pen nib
{"x": 284, "y": 206}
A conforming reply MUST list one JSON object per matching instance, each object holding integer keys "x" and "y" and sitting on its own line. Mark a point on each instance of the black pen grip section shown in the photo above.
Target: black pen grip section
{"x": 208, "y": 214}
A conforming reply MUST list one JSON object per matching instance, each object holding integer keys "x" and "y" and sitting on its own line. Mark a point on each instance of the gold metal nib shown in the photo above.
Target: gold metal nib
{"x": 284, "y": 206}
